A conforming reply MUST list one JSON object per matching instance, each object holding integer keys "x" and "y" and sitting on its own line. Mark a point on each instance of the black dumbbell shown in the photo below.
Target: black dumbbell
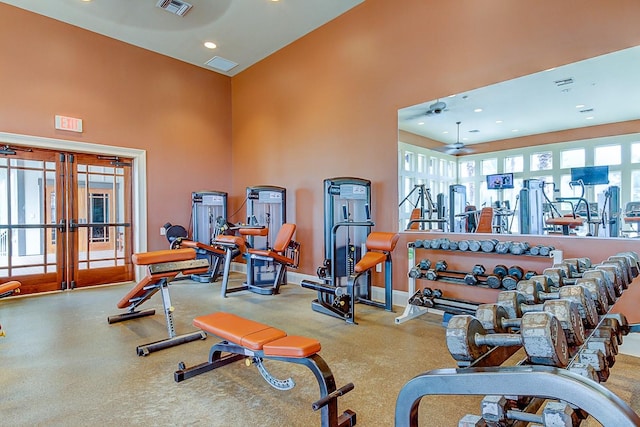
{"x": 516, "y": 271}
{"x": 500, "y": 270}
{"x": 441, "y": 265}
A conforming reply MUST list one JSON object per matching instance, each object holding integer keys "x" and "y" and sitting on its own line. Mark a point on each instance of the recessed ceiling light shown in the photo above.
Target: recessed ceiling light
{"x": 515, "y": 130}
{"x": 589, "y": 118}
{"x": 477, "y": 110}
{"x": 580, "y": 106}
{"x": 498, "y": 121}
{"x": 210, "y": 45}
{"x": 446, "y": 131}
{"x": 420, "y": 123}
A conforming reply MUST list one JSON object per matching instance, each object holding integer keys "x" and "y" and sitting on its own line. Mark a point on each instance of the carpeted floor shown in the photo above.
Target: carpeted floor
{"x": 64, "y": 365}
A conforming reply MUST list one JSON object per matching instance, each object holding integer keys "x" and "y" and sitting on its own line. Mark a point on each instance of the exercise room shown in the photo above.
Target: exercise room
{"x": 319, "y": 212}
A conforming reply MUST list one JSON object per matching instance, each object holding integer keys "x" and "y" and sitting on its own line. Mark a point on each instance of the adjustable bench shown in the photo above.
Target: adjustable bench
{"x": 244, "y": 338}
{"x": 8, "y": 289}
{"x": 162, "y": 266}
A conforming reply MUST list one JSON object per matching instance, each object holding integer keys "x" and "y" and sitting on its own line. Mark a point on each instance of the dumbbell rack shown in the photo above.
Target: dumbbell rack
{"x": 529, "y": 386}
{"x": 461, "y": 292}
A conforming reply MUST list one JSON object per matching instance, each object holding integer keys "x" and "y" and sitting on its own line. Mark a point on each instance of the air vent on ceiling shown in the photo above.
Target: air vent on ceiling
{"x": 177, "y": 7}
{"x": 588, "y": 110}
{"x": 220, "y": 64}
{"x": 564, "y": 82}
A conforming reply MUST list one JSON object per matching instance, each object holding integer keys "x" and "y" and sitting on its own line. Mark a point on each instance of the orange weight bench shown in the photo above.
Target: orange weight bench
{"x": 246, "y": 339}
{"x": 339, "y": 302}
{"x": 162, "y": 267}
{"x": 7, "y": 289}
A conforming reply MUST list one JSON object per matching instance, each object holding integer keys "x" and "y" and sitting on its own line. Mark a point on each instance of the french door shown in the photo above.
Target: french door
{"x": 65, "y": 219}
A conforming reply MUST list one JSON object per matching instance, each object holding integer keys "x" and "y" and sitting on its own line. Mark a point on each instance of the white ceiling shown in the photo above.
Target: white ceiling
{"x": 245, "y": 31}
{"x": 607, "y": 87}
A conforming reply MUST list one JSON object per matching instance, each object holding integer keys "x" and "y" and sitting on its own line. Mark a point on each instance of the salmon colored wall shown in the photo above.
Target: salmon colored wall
{"x": 128, "y": 97}
{"x": 326, "y": 105}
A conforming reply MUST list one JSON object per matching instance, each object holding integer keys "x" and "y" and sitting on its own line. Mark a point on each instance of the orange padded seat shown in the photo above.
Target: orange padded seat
{"x": 256, "y": 231}
{"x": 169, "y": 255}
{"x": 236, "y": 329}
{"x": 415, "y": 214}
{"x": 376, "y": 241}
{"x": 292, "y": 346}
{"x": 285, "y": 234}
{"x": 256, "y": 335}
{"x": 200, "y": 245}
{"x": 236, "y": 240}
{"x": 485, "y": 223}
{"x": 9, "y": 286}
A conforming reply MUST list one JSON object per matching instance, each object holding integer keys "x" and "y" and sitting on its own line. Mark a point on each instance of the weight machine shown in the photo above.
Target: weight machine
{"x": 208, "y": 213}
{"x": 427, "y": 206}
{"x": 531, "y": 207}
{"x": 457, "y": 204}
{"x": 347, "y": 224}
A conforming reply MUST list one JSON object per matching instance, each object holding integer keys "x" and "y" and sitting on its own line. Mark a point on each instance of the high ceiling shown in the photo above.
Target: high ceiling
{"x": 600, "y": 90}
{"x": 245, "y": 31}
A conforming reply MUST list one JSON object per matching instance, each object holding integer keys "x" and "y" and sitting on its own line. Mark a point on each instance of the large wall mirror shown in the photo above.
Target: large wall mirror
{"x": 557, "y": 144}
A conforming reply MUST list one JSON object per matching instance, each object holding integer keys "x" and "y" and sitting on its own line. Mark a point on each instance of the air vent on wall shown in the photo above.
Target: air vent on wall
{"x": 221, "y": 64}
{"x": 177, "y": 7}
{"x": 564, "y": 82}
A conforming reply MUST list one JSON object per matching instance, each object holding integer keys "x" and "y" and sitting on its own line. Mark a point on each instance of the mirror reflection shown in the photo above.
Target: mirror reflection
{"x": 553, "y": 152}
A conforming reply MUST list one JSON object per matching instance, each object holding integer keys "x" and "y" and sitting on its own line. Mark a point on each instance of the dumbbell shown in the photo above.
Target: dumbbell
{"x": 493, "y": 281}
{"x": 518, "y": 248}
{"x": 621, "y": 323}
{"x": 515, "y": 302}
{"x": 557, "y": 275}
{"x": 474, "y": 245}
{"x": 463, "y": 245}
{"x": 540, "y": 335}
{"x": 496, "y": 410}
{"x": 471, "y": 420}
{"x": 601, "y": 277}
{"x": 584, "y": 369}
{"x": 582, "y": 264}
{"x": 488, "y": 245}
{"x": 444, "y": 244}
{"x": 620, "y": 273}
{"x": 596, "y": 359}
{"x": 610, "y": 271}
{"x": 502, "y": 247}
{"x": 417, "y": 243}
{"x": 432, "y": 293}
{"x": 635, "y": 262}
{"x": 472, "y": 278}
{"x": 503, "y": 318}
{"x": 597, "y": 290}
{"x": 453, "y": 245}
{"x": 626, "y": 266}
{"x": 540, "y": 250}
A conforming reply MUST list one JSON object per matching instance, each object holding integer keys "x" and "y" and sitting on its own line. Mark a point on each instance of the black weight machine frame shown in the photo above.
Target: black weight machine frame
{"x": 423, "y": 194}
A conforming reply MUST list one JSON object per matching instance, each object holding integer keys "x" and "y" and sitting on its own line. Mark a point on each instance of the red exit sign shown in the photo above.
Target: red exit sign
{"x": 69, "y": 123}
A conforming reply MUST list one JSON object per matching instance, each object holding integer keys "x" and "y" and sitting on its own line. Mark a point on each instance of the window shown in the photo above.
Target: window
{"x": 99, "y": 214}
{"x": 467, "y": 169}
{"x": 514, "y": 164}
{"x": 607, "y": 155}
{"x": 542, "y": 161}
{"x": 489, "y": 166}
{"x": 635, "y": 152}
{"x": 572, "y": 158}
{"x": 408, "y": 160}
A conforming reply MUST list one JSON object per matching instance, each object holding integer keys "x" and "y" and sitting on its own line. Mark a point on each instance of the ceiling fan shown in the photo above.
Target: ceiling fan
{"x": 434, "y": 109}
{"x": 458, "y": 147}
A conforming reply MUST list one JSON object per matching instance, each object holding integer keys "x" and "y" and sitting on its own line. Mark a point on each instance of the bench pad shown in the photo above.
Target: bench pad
{"x": 369, "y": 260}
{"x": 139, "y": 289}
{"x": 201, "y": 246}
{"x": 9, "y": 286}
{"x": 168, "y": 255}
{"x": 256, "y": 336}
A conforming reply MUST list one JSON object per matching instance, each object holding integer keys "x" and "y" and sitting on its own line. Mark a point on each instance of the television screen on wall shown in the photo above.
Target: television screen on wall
{"x": 500, "y": 181}
{"x": 591, "y": 175}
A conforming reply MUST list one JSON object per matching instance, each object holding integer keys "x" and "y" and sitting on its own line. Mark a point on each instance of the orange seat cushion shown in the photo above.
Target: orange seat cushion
{"x": 202, "y": 246}
{"x": 369, "y": 260}
{"x": 271, "y": 254}
{"x": 238, "y": 330}
{"x": 9, "y": 286}
{"x": 254, "y": 231}
{"x": 168, "y": 255}
{"x": 382, "y": 241}
{"x": 292, "y": 346}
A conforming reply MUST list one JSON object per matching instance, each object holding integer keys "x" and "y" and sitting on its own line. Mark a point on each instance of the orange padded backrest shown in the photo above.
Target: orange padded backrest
{"x": 168, "y": 255}
{"x": 284, "y": 237}
{"x": 485, "y": 223}
{"x": 415, "y": 214}
{"x": 382, "y": 241}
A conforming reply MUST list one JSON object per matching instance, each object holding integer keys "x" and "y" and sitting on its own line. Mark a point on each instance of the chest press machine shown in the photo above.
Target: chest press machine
{"x": 247, "y": 339}
{"x": 162, "y": 267}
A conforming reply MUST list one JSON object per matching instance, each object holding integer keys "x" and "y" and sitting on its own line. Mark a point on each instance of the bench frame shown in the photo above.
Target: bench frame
{"x": 226, "y": 352}
{"x": 162, "y": 285}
